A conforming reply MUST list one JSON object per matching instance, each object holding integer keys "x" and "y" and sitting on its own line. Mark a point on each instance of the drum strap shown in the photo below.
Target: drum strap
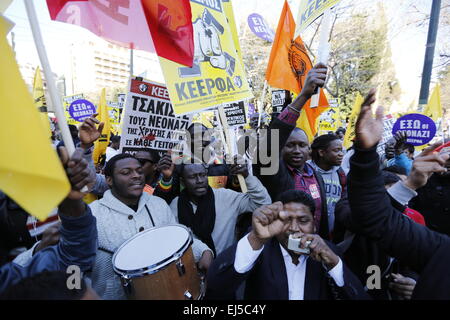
{"x": 150, "y": 215}
{"x": 106, "y": 250}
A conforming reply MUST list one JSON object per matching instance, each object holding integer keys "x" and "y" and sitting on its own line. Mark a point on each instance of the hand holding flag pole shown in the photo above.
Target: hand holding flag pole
{"x": 227, "y": 141}
{"x": 54, "y": 95}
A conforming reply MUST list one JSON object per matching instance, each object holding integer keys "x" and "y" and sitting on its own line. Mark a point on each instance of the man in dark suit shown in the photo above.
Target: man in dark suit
{"x": 274, "y": 272}
{"x": 423, "y": 250}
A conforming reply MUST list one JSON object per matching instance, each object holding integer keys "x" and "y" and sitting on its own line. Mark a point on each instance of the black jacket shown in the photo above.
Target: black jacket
{"x": 425, "y": 251}
{"x": 433, "y": 202}
{"x": 283, "y": 179}
{"x": 13, "y": 227}
{"x": 267, "y": 280}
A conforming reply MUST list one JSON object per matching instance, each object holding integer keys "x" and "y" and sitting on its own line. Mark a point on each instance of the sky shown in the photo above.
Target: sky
{"x": 407, "y": 41}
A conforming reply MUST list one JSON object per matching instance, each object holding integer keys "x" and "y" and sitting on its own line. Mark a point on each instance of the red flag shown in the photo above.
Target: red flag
{"x": 132, "y": 24}
{"x": 170, "y": 23}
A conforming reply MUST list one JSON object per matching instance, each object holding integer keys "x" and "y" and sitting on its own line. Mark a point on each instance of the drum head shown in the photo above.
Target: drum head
{"x": 152, "y": 249}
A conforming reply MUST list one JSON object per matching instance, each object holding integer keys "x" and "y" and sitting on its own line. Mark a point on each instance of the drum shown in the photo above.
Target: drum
{"x": 158, "y": 264}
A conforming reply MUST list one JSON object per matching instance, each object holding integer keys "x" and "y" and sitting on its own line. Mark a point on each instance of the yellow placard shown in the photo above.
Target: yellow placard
{"x": 229, "y": 13}
{"x": 309, "y": 11}
{"x": 114, "y": 112}
{"x": 329, "y": 121}
{"x": 217, "y": 76}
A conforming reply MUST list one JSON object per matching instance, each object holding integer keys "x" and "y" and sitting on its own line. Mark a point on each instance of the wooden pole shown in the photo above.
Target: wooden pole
{"x": 223, "y": 121}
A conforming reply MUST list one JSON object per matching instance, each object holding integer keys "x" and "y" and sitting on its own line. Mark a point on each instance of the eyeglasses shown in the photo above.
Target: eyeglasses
{"x": 143, "y": 161}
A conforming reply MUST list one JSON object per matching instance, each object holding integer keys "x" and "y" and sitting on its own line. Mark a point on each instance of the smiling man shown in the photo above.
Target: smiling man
{"x": 271, "y": 270}
{"x": 124, "y": 211}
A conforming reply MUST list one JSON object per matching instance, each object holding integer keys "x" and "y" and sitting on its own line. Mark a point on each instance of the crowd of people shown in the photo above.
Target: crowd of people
{"x": 329, "y": 223}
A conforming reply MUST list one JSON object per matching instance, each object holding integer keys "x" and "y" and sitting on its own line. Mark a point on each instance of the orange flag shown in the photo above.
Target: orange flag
{"x": 289, "y": 63}
{"x": 308, "y": 117}
{"x": 288, "y": 66}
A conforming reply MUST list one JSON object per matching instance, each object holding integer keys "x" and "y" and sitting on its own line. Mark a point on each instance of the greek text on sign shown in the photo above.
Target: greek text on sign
{"x": 388, "y": 124}
{"x": 309, "y": 11}
{"x": 260, "y": 28}
{"x": 235, "y": 114}
{"x": 149, "y": 120}
{"x": 81, "y": 109}
{"x": 67, "y": 101}
{"x": 420, "y": 129}
{"x": 217, "y": 76}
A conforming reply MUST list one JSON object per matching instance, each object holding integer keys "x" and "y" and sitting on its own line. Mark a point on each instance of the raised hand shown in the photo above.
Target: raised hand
{"x": 77, "y": 171}
{"x": 400, "y": 140}
{"x": 316, "y": 78}
{"x": 166, "y": 166}
{"x": 267, "y": 222}
{"x": 239, "y": 166}
{"x": 424, "y": 165}
{"x": 89, "y": 132}
{"x": 369, "y": 130}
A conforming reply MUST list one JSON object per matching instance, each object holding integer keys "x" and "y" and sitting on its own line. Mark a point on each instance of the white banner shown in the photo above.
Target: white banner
{"x": 149, "y": 120}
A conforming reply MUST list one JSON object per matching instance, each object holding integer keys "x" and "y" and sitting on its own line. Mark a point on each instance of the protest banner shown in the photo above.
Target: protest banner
{"x": 329, "y": 120}
{"x": 217, "y": 76}
{"x": 67, "y": 101}
{"x": 114, "y": 116}
{"x": 260, "y": 27}
{"x": 121, "y": 100}
{"x": 235, "y": 114}
{"x": 114, "y": 112}
{"x": 309, "y": 11}
{"x": 388, "y": 124}
{"x": 280, "y": 100}
{"x": 420, "y": 129}
{"x": 81, "y": 109}
{"x": 229, "y": 13}
{"x": 149, "y": 120}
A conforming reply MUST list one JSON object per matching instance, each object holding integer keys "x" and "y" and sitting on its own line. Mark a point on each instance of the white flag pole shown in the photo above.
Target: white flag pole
{"x": 261, "y": 103}
{"x": 324, "y": 49}
{"x": 54, "y": 94}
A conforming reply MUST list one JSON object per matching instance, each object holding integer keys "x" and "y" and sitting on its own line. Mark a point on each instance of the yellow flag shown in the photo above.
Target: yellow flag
{"x": 434, "y": 107}
{"x": 39, "y": 100}
{"x": 350, "y": 132}
{"x": 102, "y": 143}
{"x": 303, "y": 123}
{"x": 229, "y": 13}
{"x": 30, "y": 171}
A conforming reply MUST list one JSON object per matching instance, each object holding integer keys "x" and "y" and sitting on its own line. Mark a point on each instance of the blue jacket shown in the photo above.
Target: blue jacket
{"x": 77, "y": 246}
{"x": 402, "y": 161}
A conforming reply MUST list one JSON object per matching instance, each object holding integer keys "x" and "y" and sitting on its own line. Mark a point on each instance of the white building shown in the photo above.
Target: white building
{"x": 97, "y": 64}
